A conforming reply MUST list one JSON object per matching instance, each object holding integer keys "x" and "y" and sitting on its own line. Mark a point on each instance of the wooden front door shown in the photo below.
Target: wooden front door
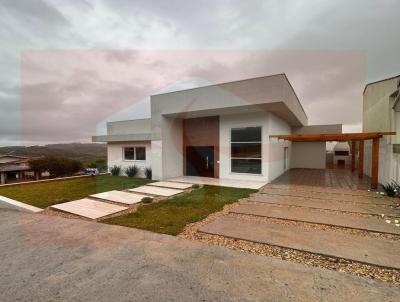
{"x": 200, "y": 161}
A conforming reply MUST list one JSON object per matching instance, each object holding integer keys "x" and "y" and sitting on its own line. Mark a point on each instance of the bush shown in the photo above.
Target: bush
{"x": 392, "y": 189}
{"x": 148, "y": 173}
{"x": 195, "y": 186}
{"x": 115, "y": 170}
{"x": 57, "y": 166}
{"x": 131, "y": 171}
{"x": 147, "y": 200}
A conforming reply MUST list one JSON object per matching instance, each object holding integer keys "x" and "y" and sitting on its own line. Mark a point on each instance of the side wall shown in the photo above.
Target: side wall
{"x": 311, "y": 155}
{"x": 115, "y": 156}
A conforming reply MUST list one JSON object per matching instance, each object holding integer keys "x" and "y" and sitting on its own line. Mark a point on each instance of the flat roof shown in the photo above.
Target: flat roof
{"x": 242, "y": 80}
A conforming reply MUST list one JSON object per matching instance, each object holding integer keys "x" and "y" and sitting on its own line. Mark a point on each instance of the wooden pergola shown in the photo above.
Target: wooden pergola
{"x": 346, "y": 137}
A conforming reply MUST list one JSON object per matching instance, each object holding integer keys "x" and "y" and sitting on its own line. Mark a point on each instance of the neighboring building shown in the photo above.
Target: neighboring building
{"x": 219, "y": 131}
{"x": 14, "y": 168}
{"x": 381, "y": 112}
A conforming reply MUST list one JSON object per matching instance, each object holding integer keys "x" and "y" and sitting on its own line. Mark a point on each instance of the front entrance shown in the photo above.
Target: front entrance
{"x": 200, "y": 161}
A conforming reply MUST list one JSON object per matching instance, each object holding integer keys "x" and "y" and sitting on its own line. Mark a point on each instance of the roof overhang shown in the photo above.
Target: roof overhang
{"x": 122, "y": 138}
{"x": 332, "y": 137}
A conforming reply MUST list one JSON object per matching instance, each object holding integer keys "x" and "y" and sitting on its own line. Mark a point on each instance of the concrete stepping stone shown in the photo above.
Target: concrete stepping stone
{"x": 318, "y": 189}
{"x": 371, "y": 209}
{"x": 171, "y": 184}
{"x": 315, "y": 216}
{"x": 89, "y": 208}
{"x": 373, "y": 251}
{"x": 120, "y": 197}
{"x": 329, "y": 196}
{"x": 152, "y": 190}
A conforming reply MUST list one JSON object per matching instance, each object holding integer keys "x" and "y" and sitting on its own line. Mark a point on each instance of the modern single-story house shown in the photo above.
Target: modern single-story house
{"x": 381, "y": 112}
{"x": 220, "y": 131}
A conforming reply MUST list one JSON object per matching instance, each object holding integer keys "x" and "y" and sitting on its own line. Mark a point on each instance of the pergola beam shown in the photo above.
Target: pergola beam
{"x": 330, "y": 137}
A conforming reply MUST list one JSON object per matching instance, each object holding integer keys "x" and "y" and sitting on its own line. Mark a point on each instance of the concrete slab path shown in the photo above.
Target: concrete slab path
{"x": 373, "y": 224}
{"x": 370, "y": 209}
{"x": 64, "y": 259}
{"x": 319, "y": 189}
{"x": 156, "y": 191}
{"x": 171, "y": 184}
{"x": 373, "y": 251}
{"x": 89, "y": 208}
{"x": 330, "y": 196}
{"x": 120, "y": 197}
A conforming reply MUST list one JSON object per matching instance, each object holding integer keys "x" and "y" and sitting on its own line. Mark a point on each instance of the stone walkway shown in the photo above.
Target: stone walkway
{"x": 101, "y": 205}
{"x": 373, "y": 224}
{"x": 343, "y": 219}
{"x": 368, "y": 199}
{"x": 360, "y": 208}
{"x": 362, "y": 249}
{"x": 89, "y": 208}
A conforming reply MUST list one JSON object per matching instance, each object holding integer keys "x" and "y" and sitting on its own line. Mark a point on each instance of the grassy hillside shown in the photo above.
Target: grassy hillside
{"x": 86, "y": 153}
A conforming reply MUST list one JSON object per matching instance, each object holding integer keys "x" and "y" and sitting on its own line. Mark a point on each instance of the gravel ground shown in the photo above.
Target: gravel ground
{"x": 374, "y": 272}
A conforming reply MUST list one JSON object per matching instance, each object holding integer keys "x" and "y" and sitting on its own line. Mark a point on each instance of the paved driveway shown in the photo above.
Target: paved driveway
{"x": 46, "y": 258}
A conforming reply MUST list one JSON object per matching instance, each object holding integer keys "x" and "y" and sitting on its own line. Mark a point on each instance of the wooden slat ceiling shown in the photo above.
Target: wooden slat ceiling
{"x": 331, "y": 137}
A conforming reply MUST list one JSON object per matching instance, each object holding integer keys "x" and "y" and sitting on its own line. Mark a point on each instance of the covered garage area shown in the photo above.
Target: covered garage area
{"x": 354, "y": 138}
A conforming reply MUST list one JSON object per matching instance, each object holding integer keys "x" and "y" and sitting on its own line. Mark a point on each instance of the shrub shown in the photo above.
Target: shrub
{"x": 56, "y": 165}
{"x": 115, "y": 170}
{"x": 147, "y": 200}
{"x": 131, "y": 171}
{"x": 196, "y": 186}
{"x": 148, "y": 173}
{"x": 391, "y": 189}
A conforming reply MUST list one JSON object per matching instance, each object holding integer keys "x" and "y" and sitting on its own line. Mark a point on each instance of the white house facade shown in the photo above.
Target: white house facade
{"x": 219, "y": 131}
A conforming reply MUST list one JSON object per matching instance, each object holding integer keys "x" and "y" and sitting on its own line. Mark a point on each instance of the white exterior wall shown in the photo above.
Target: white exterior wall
{"x": 272, "y": 152}
{"x": 389, "y": 162}
{"x": 115, "y": 156}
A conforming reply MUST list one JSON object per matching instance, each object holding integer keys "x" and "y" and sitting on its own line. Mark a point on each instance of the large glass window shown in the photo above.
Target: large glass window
{"x": 134, "y": 153}
{"x": 246, "y": 150}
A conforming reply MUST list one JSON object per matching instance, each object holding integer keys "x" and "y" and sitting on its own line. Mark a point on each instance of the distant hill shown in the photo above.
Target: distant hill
{"x": 87, "y": 153}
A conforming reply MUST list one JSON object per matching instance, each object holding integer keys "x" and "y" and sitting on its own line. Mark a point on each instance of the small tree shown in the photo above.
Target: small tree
{"x": 131, "y": 171}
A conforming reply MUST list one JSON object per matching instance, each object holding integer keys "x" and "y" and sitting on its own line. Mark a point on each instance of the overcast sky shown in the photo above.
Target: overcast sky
{"x": 69, "y": 66}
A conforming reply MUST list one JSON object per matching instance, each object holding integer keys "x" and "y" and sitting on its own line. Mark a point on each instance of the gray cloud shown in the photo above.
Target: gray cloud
{"x": 329, "y": 50}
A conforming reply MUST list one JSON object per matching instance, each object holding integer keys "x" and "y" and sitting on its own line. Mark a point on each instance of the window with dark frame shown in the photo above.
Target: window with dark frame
{"x": 129, "y": 153}
{"x": 140, "y": 153}
{"x": 246, "y": 150}
{"x": 134, "y": 153}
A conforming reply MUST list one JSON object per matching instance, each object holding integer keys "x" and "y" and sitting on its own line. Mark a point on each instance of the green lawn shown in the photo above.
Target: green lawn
{"x": 44, "y": 194}
{"x": 171, "y": 216}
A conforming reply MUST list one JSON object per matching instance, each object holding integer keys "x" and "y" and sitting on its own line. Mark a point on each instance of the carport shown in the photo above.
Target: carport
{"x": 347, "y": 137}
